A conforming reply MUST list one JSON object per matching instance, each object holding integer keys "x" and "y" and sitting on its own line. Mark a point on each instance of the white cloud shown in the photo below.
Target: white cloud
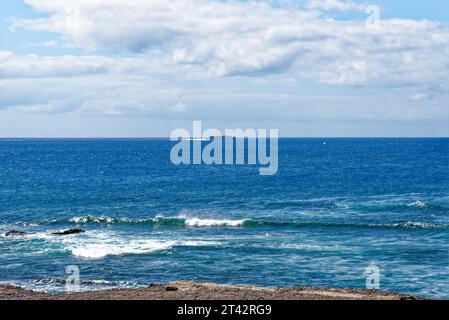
{"x": 327, "y": 5}
{"x": 179, "y": 107}
{"x": 222, "y": 58}
{"x": 4, "y": 55}
{"x": 30, "y": 66}
{"x": 232, "y": 38}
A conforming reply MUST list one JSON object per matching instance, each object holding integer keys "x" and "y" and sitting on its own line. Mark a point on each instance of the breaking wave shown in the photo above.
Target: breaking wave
{"x": 103, "y": 249}
{"x": 159, "y": 220}
{"x": 187, "y": 222}
{"x": 57, "y": 285}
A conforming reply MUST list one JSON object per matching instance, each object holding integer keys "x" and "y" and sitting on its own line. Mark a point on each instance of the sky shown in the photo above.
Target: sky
{"x": 142, "y": 68}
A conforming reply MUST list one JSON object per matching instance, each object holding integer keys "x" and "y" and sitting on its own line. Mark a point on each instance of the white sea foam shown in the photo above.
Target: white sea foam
{"x": 103, "y": 219}
{"x": 418, "y": 225}
{"x": 99, "y": 244}
{"x": 48, "y": 285}
{"x": 36, "y": 236}
{"x": 87, "y": 219}
{"x": 307, "y": 247}
{"x": 102, "y": 244}
{"x": 98, "y": 250}
{"x": 186, "y": 220}
{"x": 419, "y": 204}
{"x": 200, "y": 243}
{"x": 196, "y": 222}
{"x": 101, "y": 250}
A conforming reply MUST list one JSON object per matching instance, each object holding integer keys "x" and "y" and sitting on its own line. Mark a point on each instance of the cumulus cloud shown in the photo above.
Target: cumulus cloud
{"x": 234, "y": 38}
{"x": 33, "y": 66}
{"x": 334, "y": 5}
{"x": 86, "y": 85}
{"x": 90, "y": 95}
{"x": 219, "y": 57}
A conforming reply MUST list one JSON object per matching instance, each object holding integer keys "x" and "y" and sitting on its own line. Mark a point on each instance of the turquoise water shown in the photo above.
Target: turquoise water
{"x": 332, "y": 210}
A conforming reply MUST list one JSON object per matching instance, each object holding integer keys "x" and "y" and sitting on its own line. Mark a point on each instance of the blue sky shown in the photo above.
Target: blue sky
{"x": 135, "y": 68}
{"x": 412, "y": 9}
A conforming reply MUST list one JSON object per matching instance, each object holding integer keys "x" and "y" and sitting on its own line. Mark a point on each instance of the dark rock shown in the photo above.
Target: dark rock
{"x": 14, "y": 233}
{"x": 408, "y": 298}
{"x": 170, "y": 288}
{"x": 68, "y": 232}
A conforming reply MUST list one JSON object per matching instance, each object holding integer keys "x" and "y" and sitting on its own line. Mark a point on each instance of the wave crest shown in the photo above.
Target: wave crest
{"x": 195, "y": 222}
{"x": 101, "y": 249}
{"x": 158, "y": 220}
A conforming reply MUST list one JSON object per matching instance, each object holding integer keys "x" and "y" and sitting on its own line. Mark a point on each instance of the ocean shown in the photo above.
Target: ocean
{"x": 335, "y": 207}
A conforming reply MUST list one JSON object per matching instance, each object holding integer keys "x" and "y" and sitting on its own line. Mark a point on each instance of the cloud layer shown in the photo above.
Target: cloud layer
{"x": 171, "y": 58}
{"x": 252, "y": 39}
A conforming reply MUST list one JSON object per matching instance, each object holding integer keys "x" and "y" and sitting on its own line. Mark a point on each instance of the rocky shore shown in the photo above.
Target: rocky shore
{"x": 206, "y": 291}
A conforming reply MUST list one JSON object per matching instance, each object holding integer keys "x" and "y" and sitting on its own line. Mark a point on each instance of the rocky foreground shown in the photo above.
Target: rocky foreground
{"x": 206, "y": 291}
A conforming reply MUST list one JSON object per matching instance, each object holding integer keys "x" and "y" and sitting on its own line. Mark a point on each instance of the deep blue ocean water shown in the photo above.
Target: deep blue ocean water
{"x": 332, "y": 210}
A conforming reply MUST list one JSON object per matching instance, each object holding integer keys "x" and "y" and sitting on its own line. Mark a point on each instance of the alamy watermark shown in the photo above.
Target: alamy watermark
{"x": 72, "y": 282}
{"x": 211, "y": 147}
{"x": 373, "y": 20}
{"x": 372, "y": 273}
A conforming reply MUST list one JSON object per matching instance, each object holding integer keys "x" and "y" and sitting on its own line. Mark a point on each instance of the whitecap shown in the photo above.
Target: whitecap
{"x": 103, "y": 244}
{"x": 196, "y": 222}
{"x": 101, "y": 250}
{"x": 419, "y": 204}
